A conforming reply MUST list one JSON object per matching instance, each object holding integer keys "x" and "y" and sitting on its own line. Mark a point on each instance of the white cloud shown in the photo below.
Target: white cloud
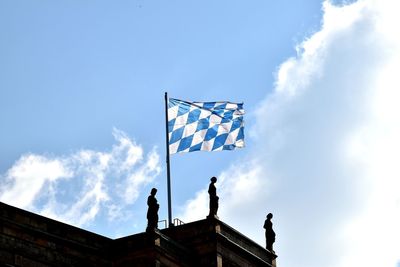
{"x": 326, "y": 163}
{"x": 76, "y": 188}
{"x": 28, "y": 176}
{"x": 137, "y": 179}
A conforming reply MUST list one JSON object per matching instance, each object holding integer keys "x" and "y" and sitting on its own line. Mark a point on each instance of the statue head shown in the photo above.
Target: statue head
{"x": 213, "y": 179}
{"x": 269, "y": 216}
{"x": 153, "y": 191}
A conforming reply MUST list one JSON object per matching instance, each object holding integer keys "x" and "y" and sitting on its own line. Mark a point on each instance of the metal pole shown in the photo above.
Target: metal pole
{"x": 167, "y": 160}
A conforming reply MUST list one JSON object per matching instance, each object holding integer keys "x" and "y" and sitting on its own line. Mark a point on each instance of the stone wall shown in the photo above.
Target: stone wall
{"x": 28, "y": 239}
{"x": 31, "y": 240}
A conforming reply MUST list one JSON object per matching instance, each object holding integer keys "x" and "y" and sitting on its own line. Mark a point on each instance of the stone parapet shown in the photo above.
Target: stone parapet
{"x": 31, "y": 240}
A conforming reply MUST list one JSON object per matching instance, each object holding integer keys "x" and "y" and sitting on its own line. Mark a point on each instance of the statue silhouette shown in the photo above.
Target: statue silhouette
{"x": 212, "y": 191}
{"x": 152, "y": 211}
{"x": 269, "y": 232}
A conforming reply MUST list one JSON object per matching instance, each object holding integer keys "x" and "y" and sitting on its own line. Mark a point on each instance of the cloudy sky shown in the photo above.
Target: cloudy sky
{"x": 83, "y": 131}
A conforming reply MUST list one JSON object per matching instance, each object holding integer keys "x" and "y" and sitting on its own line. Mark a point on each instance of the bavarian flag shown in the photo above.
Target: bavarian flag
{"x": 207, "y": 126}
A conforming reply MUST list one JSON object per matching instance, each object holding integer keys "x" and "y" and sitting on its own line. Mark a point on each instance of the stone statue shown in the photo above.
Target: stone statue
{"x": 212, "y": 191}
{"x": 269, "y": 233}
{"x": 152, "y": 211}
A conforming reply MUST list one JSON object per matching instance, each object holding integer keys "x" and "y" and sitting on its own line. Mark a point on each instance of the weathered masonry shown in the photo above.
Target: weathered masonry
{"x": 31, "y": 240}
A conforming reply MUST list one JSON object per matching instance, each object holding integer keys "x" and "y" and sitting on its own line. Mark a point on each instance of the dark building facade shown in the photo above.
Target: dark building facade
{"x": 28, "y": 239}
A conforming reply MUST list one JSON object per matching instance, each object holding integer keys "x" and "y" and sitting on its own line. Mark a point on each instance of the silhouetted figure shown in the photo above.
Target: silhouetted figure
{"x": 212, "y": 191}
{"x": 152, "y": 211}
{"x": 269, "y": 232}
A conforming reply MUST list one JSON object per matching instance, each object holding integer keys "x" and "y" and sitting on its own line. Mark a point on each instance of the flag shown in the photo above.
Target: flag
{"x": 207, "y": 126}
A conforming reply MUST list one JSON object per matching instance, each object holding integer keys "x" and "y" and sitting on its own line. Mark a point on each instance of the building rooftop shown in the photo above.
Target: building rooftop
{"x": 28, "y": 239}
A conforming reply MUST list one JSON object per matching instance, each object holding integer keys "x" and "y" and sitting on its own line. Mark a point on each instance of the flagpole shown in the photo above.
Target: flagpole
{"x": 167, "y": 161}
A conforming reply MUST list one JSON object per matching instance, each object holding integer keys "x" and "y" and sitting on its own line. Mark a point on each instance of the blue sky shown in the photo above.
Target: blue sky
{"x": 82, "y": 116}
{"x": 72, "y": 71}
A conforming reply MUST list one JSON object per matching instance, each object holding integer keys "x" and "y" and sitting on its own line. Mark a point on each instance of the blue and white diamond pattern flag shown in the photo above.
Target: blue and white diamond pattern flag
{"x": 207, "y": 126}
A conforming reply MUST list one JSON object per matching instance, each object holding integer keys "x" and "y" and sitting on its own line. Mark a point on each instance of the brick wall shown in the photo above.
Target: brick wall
{"x": 28, "y": 239}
